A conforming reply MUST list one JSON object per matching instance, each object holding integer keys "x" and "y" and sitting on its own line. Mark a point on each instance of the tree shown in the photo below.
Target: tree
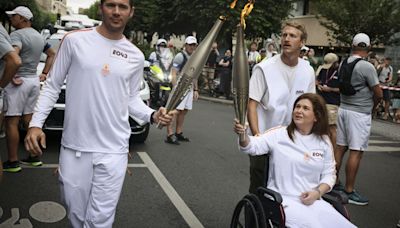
{"x": 93, "y": 11}
{"x": 184, "y": 17}
{"x": 40, "y": 18}
{"x": 377, "y": 18}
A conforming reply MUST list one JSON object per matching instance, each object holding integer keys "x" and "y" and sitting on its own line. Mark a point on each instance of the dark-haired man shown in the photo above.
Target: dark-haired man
{"x": 101, "y": 96}
{"x": 22, "y": 93}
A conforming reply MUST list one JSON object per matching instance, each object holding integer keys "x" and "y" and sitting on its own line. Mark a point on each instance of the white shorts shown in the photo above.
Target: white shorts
{"x": 21, "y": 100}
{"x": 318, "y": 214}
{"x": 353, "y": 129}
{"x": 187, "y": 102}
{"x": 91, "y": 185}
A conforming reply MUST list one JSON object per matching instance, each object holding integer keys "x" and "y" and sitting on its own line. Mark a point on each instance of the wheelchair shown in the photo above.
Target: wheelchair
{"x": 265, "y": 210}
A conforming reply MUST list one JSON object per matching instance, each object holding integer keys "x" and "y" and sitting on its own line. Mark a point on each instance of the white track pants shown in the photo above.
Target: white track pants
{"x": 318, "y": 215}
{"x": 90, "y": 186}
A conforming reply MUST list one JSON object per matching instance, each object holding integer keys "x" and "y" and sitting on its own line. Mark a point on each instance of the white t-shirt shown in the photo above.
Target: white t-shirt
{"x": 253, "y": 56}
{"x": 295, "y": 167}
{"x": 259, "y": 87}
{"x": 166, "y": 57}
{"x": 102, "y": 79}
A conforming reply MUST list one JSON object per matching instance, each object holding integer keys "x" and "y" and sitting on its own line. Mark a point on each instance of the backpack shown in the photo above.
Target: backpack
{"x": 184, "y": 61}
{"x": 345, "y": 72}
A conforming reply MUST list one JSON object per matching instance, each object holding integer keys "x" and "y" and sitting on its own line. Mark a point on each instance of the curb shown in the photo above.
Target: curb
{"x": 216, "y": 100}
{"x": 385, "y": 128}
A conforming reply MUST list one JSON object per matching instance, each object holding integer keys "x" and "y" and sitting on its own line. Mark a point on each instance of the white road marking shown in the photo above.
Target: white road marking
{"x": 178, "y": 202}
{"x": 47, "y": 212}
{"x": 15, "y": 222}
{"x": 183, "y": 209}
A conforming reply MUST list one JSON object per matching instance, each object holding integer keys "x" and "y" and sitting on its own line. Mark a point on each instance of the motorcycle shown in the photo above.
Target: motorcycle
{"x": 160, "y": 84}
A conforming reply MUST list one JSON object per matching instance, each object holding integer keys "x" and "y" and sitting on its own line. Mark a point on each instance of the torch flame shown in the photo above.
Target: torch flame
{"x": 233, "y": 4}
{"x": 246, "y": 11}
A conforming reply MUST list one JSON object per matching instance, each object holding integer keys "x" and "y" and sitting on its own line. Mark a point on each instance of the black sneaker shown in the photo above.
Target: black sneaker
{"x": 339, "y": 187}
{"x": 33, "y": 161}
{"x": 11, "y": 167}
{"x": 182, "y": 138}
{"x": 171, "y": 139}
{"x": 356, "y": 198}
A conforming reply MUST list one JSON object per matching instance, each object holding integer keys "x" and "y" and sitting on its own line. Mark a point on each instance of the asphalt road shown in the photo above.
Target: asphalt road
{"x": 194, "y": 184}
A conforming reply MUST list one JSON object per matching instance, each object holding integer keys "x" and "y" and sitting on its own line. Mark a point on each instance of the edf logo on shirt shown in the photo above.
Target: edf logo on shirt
{"x": 119, "y": 54}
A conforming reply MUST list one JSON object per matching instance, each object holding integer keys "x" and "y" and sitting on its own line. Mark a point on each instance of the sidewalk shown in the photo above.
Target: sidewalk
{"x": 386, "y": 128}
{"x": 380, "y": 127}
{"x": 216, "y": 100}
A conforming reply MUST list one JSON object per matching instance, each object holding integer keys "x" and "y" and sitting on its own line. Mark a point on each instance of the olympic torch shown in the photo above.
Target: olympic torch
{"x": 240, "y": 70}
{"x": 193, "y": 67}
{"x": 240, "y": 73}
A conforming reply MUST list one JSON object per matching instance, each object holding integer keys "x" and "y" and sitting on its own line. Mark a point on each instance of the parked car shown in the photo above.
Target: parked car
{"x": 54, "y": 122}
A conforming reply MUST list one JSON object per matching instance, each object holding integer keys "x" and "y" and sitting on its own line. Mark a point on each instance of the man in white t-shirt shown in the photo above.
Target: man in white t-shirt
{"x": 252, "y": 56}
{"x": 187, "y": 103}
{"x": 274, "y": 86}
{"x": 385, "y": 76}
{"x": 101, "y": 95}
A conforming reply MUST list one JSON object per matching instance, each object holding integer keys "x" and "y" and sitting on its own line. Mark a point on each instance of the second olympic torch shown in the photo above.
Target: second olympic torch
{"x": 240, "y": 73}
{"x": 193, "y": 67}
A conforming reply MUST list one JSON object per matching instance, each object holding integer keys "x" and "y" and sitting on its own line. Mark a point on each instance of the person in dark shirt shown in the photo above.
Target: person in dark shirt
{"x": 209, "y": 68}
{"x": 226, "y": 74}
{"x": 328, "y": 87}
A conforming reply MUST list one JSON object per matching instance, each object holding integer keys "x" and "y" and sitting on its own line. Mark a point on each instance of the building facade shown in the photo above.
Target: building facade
{"x": 54, "y": 6}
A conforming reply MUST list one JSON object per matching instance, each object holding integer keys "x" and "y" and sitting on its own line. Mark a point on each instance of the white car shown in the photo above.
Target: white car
{"x": 55, "y": 120}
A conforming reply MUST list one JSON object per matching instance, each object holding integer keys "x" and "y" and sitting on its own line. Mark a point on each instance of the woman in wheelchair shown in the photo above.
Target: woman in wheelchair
{"x": 302, "y": 164}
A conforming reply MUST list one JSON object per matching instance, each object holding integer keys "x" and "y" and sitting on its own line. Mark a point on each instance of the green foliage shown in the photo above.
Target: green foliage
{"x": 145, "y": 49}
{"x": 377, "y": 18}
{"x": 40, "y": 18}
{"x": 184, "y": 17}
{"x": 93, "y": 11}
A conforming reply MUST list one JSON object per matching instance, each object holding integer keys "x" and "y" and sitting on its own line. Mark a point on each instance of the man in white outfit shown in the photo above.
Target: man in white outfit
{"x": 103, "y": 72}
{"x": 187, "y": 103}
{"x": 274, "y": 86}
